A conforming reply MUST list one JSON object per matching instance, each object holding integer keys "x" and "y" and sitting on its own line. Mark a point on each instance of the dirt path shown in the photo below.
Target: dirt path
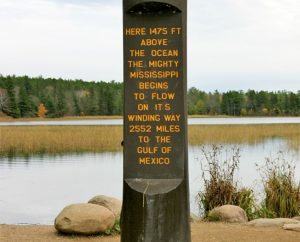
{"x": 201, "y": 232}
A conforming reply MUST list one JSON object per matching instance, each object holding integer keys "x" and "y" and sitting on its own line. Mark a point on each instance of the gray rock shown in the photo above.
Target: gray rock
{"x": 293, "y": 227}
{"x": 85, "y": 219}
{"x": 111, "y": 203}
{"x": 229, "y": 213}
{"x": 269, "y": 222}
{"x": 297, "y": 218}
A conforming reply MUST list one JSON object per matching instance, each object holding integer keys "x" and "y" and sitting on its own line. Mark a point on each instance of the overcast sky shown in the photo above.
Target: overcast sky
{"x": 232, "y": 44}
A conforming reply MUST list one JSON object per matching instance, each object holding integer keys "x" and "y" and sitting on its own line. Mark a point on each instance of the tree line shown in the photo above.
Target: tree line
{"x": 240, "y": 103}
{"x": 23, "y": 96}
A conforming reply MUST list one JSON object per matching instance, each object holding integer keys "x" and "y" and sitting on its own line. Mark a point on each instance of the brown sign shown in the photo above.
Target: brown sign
{"x": 155, "y": 187}
{"x": 155, "y": 89}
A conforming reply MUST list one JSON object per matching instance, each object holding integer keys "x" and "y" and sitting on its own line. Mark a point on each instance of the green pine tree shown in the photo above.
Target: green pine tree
{"x": 24, "y": 104}
{"x": 12, "y": 109}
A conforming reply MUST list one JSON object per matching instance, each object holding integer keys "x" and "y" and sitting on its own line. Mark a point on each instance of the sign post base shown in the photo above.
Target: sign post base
{"x": 155, "y": 210}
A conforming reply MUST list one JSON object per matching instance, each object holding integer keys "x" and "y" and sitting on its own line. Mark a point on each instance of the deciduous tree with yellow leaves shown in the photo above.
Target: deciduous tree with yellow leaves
{"x": 41, "y": 113}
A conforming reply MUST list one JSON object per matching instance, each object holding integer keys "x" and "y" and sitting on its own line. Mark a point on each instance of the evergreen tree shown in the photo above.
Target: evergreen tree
{"x": 92, "y": 103}
{"x": 232, "y": 103}
{"x": 24, "y": 104}
{"x": 77, "y": 110}
{"x": 28, "y": 86}
{"x": 49, "y": 105}
{"x": 251, "y": 106}
{"x": 61, "y": 106}
{"x": 102, "y": 101}
{"x": 12, "y": 109}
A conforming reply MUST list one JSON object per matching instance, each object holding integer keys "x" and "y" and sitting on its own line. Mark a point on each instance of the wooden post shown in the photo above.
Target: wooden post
{"x": 155, "y": 186}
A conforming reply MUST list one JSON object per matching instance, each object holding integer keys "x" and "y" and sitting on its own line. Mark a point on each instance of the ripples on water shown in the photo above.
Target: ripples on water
{"x": 35, "y": 189}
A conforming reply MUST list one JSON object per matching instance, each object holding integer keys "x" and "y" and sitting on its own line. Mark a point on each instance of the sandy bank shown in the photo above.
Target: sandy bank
{"x": 201, "y": 232}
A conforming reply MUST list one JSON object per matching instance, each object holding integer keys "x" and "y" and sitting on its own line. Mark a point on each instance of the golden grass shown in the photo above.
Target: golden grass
{"x": 28, "y": 140}
{"x": 59, "y": 139}
{"x": 248, "y": 134}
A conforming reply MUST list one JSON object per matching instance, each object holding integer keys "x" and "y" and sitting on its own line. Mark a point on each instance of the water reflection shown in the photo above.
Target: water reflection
{"x": 191, "y": 121}
{"x": 35, "y": 189}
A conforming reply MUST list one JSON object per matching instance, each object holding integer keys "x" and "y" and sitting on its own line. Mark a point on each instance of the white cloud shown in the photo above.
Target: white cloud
{"x": 241, "y": 44}
{"x": 232, "y": 44}
{"x": 71, "y": 41}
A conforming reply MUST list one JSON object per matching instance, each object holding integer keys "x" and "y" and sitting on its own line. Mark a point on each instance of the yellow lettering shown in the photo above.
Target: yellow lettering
{"x": 147, "y": 150}
{"x": 172, "y": 117}
{"x": 163, "y": 139}
{"x": 153, "y": 74}
{"x": 164, "y": 53}
{"x": 157, "y": 31}
{"x": 168, "y": 128}
{"x": 163, "y": 63}
{"x": 162, "y": 106}
{"x": 135, "y": 63}
{"x": 154, "y": 42}
{"x": 143, "y": 117}
{"x": 163, "y": 96}
{"x": 135, "y": 53}
{"x": 154, "y": 161}
{"x": 153, "y": 85}
{"x": 135, "y": 31}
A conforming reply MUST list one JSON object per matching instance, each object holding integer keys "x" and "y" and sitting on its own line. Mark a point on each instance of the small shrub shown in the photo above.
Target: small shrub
{"x": 282, "y": 193}
{"x": 218, "y": 177}
{"x": 212, "y": 217}
{"x": 115, "y": 229}
{"x": 246, "y": 200}
{"x": 220, "y": 186}
{"x": 263, "y": 212}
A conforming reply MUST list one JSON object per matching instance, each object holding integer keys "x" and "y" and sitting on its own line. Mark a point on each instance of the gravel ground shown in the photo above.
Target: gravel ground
{"x": 201, "y": 232}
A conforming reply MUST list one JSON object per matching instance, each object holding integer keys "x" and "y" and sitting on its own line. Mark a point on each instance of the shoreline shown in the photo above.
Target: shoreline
{"x": 70, "y": 118}
{"x": 200, "y": 231}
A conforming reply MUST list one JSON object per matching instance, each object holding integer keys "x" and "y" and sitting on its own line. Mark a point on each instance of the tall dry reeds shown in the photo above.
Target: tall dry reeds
{"x": 248, "y": 134}
{"x": 219, "y": 169}
{"x": 282, "y": 192}
{"x": 27, "y": 140}
{"x": 218, "y": 177}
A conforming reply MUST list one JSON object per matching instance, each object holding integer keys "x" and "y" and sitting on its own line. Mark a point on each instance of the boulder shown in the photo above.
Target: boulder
{"x": 293, "y": 227}
{"x": 272, "y": 222}
{"x": 84, "y": 218}
{"x": 113, "y": 204}
{"x": 228, "y": 213}
{"x": 297, "y": 218}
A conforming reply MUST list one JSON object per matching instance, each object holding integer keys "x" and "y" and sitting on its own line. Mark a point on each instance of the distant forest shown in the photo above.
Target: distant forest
{"x": 23, "y": 96}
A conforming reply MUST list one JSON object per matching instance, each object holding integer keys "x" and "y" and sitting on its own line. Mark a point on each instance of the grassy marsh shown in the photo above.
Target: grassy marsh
{"x": 244, "y": 134}
{"x": 59, "y": 139}
{"x": 27, "y": 140}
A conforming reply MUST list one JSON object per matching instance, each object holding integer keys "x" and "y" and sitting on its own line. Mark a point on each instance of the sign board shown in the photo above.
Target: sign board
{"x": 155, "y": 77}
{"x": 155, "y": 120}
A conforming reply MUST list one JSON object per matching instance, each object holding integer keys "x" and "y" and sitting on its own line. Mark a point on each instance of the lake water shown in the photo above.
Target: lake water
{"x": 191, "y": 121}
{"x": 34, "y": 190}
